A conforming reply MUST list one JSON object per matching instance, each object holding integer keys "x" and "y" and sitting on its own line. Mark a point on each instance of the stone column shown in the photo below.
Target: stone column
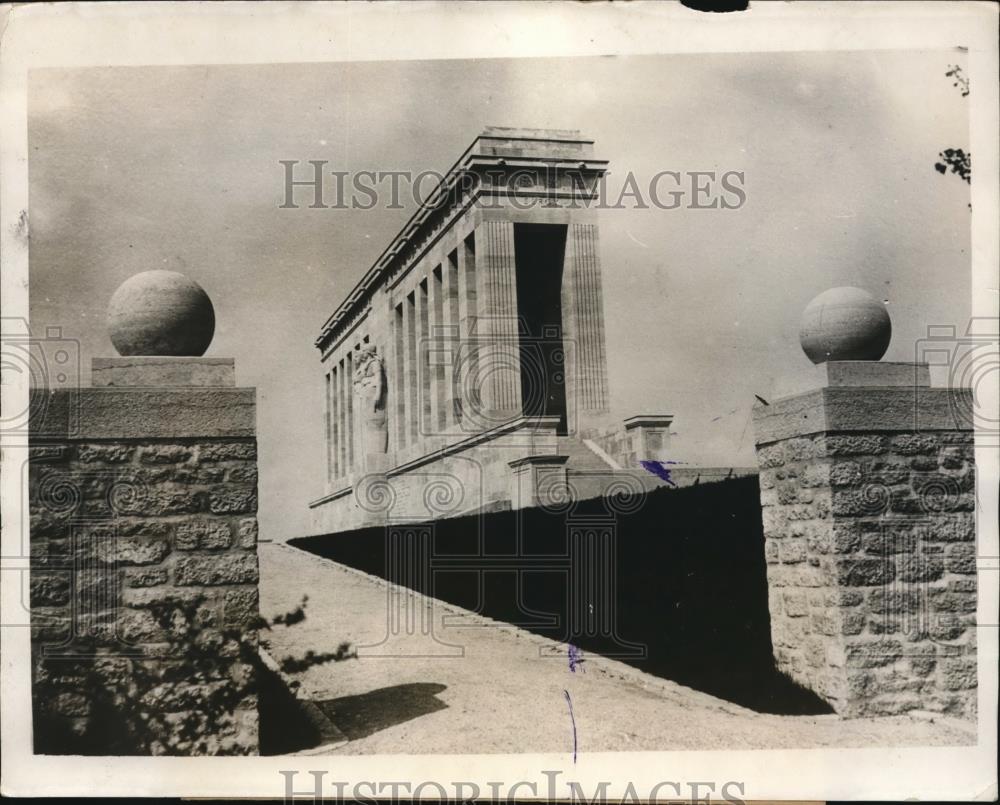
{"x": 499, "y": 355}
{"x": 335, "y": 407}
{"x": 328, "y": 410}
{"x": 411, "y": 410}
{"x": 349, "y": 422}
{"x": 451, "y": 335}
{"x": 397, "y": 390}
{"x": 342, "y": 423}
{"x": 424, "y": 400}
{"x": 467, "y": 364}
{"x": 437, "y": 313}
{"x": 868, "y": 495}
{"x": 143, "y": 496}
{"x": 585, "y": 326}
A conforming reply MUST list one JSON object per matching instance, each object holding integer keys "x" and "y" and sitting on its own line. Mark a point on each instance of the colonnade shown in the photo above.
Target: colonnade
{"x": 451, "y": 350}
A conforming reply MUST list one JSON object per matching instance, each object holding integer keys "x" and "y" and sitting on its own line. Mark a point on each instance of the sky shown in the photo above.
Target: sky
{"x": 136, "y": 168}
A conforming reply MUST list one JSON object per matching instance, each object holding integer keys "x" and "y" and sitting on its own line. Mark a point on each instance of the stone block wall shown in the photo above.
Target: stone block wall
{"x": 871, "y": 566}
{"x": 144, "y": 585}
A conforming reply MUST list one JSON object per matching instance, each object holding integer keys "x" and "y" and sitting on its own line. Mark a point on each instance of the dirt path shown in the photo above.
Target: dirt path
{"x": 501, "y": 689}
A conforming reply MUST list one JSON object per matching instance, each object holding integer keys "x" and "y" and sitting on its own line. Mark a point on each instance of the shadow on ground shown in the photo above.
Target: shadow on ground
{"x": 673, "y": 582}
{"x": 368, "y": 713}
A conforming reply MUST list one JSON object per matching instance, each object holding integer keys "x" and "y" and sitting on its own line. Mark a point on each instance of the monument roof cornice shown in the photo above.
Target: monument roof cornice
{"x": 505, "y": 149}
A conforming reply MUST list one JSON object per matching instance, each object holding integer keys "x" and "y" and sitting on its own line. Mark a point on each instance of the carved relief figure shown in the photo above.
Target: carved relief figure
{"x": 370, "y": 389}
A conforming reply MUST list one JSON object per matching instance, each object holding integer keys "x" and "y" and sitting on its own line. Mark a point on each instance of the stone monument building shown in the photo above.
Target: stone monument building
{"x": 470, "y": 359}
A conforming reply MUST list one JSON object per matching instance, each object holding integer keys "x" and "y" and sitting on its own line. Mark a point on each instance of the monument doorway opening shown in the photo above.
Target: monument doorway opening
{"x": 539, "y": 250}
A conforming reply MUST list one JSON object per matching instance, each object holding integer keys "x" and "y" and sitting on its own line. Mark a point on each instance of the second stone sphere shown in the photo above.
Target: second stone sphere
{"x": 845, "y": 324}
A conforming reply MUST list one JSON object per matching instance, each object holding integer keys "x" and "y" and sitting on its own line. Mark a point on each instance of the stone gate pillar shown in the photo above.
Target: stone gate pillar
{"x": 868, "y": 495}
{"x": 143, "y": 499}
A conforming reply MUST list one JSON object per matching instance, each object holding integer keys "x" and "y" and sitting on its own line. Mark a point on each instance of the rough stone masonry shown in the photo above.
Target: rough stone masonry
{"x": 868, "y": 496}
{"x": 144, "y": 563}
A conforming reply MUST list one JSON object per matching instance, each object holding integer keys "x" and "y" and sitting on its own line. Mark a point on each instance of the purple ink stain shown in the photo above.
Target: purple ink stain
{"x": 575, "y": 659}
{"x": 569, "y": 703}
{"x": 660, "y": 470}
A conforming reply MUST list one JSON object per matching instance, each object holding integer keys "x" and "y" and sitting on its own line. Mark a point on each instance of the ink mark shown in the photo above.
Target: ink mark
{"x": 576, "y": 659}
{"x": 716, "y": 6}
{"x": 660, "y": 469}
{"x": 761, "y": 399}
{"x": 961, "y": 81}
{"x": 20, "y": 229}
{"x": 569, "y": 703}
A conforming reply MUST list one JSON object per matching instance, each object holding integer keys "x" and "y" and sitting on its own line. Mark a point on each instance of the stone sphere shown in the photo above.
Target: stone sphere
{"x": 161, "y": 313}
{"x": 845, "y": 324}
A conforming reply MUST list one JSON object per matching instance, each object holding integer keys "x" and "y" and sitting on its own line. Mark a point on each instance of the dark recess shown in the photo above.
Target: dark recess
{"x": 539, "y": 250}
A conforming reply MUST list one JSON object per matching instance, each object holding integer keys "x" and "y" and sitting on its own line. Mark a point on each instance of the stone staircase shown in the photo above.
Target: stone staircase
{"x": 590, "y": 475}
{"x": 581, "y": 457}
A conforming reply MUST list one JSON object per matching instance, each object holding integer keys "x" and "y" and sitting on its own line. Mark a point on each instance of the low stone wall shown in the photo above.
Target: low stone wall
{"x": 144, "y": 583}
{"x": 870, "y": 550}
{"x": 590, "y": 484}
{"x": 513, "y": 467}
{"x": 477, "y": 476}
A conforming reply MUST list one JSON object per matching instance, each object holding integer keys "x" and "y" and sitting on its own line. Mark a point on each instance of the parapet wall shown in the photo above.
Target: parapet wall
{"x": 473, "y": 476}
